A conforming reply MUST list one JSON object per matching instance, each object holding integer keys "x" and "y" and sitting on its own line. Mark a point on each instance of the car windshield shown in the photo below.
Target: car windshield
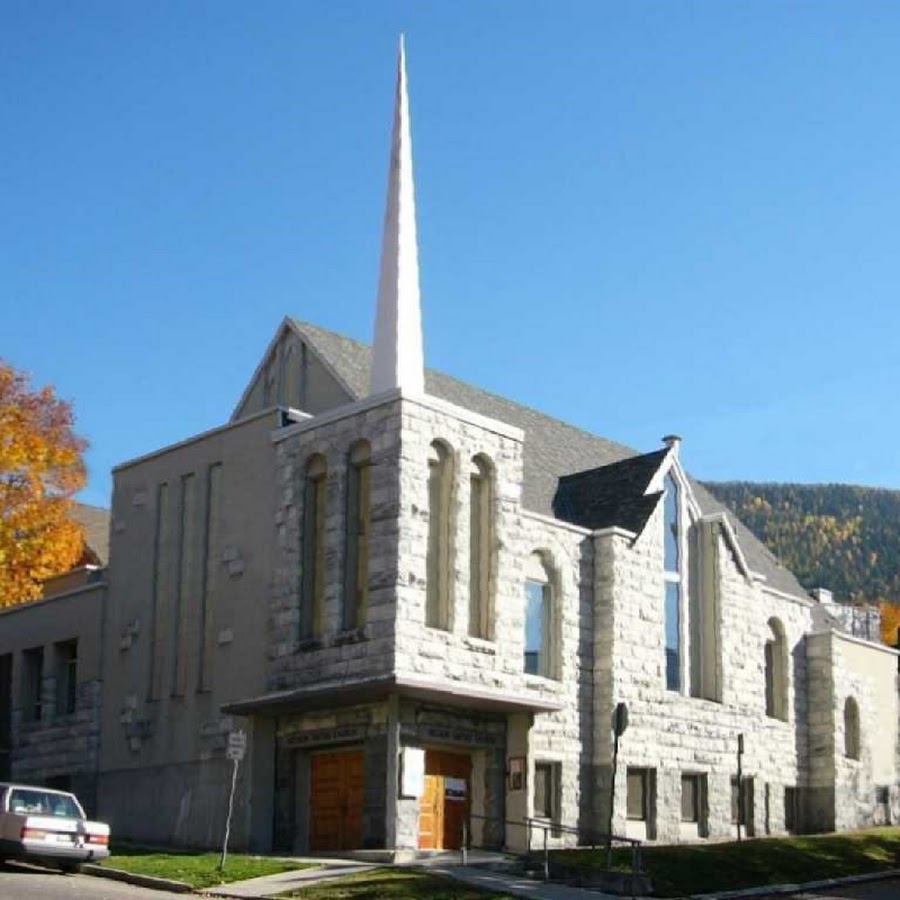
{"x": 43, "y": 803}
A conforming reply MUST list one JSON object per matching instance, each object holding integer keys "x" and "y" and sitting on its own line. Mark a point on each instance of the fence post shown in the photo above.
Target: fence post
{"x": 465, "y": 843}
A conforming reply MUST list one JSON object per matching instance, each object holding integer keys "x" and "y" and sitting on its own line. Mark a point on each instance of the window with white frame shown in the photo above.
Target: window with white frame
{"x": 672, "y": 553}
{"x": 539, "y": 617}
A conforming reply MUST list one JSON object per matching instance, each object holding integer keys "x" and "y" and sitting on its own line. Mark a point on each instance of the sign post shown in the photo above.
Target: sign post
{"x": 237, "y": 746}
{"x": 740, "y": 785}
{"x": 620, "y": 723}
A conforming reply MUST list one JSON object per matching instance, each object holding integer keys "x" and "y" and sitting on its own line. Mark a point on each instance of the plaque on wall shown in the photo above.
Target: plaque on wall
{"x": 412, "y": 772}
{"x": 517, "y": 773}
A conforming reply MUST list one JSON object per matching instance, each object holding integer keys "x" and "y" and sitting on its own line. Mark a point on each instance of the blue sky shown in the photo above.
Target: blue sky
{"x": 640, "y": 217}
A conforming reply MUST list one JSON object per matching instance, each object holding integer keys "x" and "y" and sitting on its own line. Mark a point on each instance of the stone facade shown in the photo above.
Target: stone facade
{"x": 397, "y": 686}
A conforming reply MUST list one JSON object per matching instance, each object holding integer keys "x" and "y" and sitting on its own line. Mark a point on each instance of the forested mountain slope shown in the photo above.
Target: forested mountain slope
{"x": 838, "y": 536}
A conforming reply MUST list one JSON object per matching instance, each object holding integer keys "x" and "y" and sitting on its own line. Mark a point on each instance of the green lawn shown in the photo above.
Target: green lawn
{"x": 199, "y": 870}
{"x": 393, "y": 884}
{"x": 697, "y": 869}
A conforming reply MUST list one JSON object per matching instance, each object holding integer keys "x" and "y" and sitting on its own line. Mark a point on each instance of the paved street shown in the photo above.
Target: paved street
{"x": 873, "y": 890}
{"x": 32, "y": 883}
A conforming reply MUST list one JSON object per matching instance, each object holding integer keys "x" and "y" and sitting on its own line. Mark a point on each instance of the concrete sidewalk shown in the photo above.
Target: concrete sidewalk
{"x": 518, "y": 886}
{"x": 271, "y": 885}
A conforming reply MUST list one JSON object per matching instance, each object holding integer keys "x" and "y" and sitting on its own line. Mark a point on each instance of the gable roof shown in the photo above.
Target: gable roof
{"x": 612, "y": 495}
{"x": 553, "y": 449}
{"x": 95, "y": 522}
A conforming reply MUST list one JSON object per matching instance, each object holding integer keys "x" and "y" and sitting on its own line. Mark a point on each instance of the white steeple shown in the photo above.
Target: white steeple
{"x": 397, "y": 357}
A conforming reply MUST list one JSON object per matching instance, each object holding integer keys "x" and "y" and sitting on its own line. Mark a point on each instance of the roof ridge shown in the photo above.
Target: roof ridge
{"x": 303, "y": 325}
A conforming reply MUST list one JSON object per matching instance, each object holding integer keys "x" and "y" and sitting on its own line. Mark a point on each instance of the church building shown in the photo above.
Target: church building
{"x": 423, "y": 604}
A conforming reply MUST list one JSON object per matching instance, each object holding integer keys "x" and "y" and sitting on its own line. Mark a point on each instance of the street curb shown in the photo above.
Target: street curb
{"x": 787, "y": 889}
{"x": 147, "y": 881}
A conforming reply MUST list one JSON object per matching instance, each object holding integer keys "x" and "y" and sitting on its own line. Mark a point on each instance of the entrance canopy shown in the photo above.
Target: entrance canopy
{"x": 328, "y": 694}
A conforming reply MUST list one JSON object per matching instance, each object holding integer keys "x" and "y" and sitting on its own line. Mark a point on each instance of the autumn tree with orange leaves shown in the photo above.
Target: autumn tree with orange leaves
{"x": 41, "y": 468}
{"x": 890, "y": 622}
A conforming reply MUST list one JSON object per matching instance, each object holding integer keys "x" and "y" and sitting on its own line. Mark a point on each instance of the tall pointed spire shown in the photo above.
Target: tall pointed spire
{"x": 397, "y": 357}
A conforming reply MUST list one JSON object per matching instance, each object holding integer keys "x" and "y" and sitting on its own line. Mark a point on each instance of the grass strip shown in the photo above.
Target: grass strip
{"x": 199, "y": 870}
{"x": 682, "y": 869}
{"x": 393, "y": 884}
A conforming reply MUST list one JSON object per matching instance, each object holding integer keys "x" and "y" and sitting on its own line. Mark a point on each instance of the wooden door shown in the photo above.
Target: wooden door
{"x": 445, "y": 801}
{"x": 336, "y": 801}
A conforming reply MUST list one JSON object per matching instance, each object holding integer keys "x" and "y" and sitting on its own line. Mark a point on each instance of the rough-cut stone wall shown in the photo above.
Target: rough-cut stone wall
{"x": 453, "y": 657}
{"x": 673, "y": 732}
{"x": 61, "y": 745}
{"x": 338, "y": 655}
{"x": 868, "y": 674}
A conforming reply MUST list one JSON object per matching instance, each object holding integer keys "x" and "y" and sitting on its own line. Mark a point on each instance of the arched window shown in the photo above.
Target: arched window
{"x": 356, "y": 561}
{"x": 312, "y": 601}
{"x": 440, "y": 482}
{"x": 539, "y": 617}
{"x": 480, "y": 547}
{"x": 851, "y": 728}
{"x": 776, "y": 672}
{"x": 672, "y": 552}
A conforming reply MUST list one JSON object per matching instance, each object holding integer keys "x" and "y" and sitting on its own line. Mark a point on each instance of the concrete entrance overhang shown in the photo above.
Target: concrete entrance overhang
{"x": 329, "y": 694}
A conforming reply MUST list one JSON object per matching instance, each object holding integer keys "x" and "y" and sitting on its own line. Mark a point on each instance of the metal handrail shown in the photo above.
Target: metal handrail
{"x": 546, "y": 827}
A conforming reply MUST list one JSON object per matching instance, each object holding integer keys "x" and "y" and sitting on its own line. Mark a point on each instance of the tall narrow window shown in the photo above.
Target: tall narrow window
{"x": 66, "y": 677}
{"x": 32, "y": 684}
{"x": 480, "y": 544}
{"x": 437, "y": 591}
{"x": 776, "y": 672}
{"x": 539, "y": 603}
{"x": 210, "y": 575}
{"x": 161, "y": 593}
{"x": 312, "y": 603}
{"x": 356, "y": 572}
{"x": 703, "y": 609}
{"x": 672, "y": 556}
{"x": 187, "y": 571}
{"x": 851, "y": 728}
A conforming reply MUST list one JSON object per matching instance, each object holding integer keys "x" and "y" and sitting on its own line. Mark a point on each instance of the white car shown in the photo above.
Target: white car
{"x": 45, "y": 825}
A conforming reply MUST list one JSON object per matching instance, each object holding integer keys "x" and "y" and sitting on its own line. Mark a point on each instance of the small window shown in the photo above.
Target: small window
{"x": 851, "y": 728}
{"x": 691, "y": 793}
{"x": 638, "y": 801}
{"x": 546, "y": 790}
{"x": 32, "y": 683}
{"x": 539, "y": 613}
{"x": 66, "y": 677}
{"x": 790, "y": 809}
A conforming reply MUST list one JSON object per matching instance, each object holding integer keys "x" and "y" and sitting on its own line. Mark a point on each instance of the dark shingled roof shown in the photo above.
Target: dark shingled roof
{"x": 610, "y": 495}
{"x": 95, "y": 522}
{"x": 553, "y": 449}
